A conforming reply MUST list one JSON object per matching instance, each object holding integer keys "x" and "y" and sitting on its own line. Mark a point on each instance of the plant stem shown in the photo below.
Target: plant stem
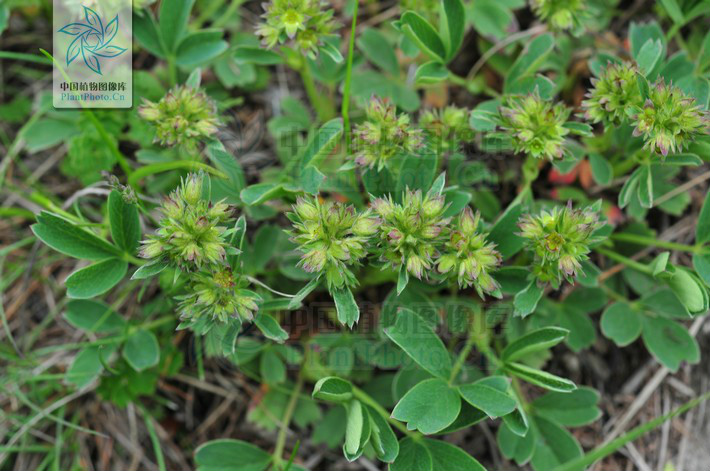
{"x": 650, "y": 241}
{"x": 348, "y": 77}
{"x": 625, "y": 260}
{"x": 290, "y": 409}
{"x": 463, "y": 354}
{"x": 324, "y": 108}
{"x": 362, "y": 396}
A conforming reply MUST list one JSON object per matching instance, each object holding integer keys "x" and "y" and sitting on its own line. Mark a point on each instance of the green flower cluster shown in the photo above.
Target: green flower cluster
{"x": 560, "y": 14}
{"x": 560, "y": 240}
{"x": 383, "y": 135}
{"x": 305, "y": 22}
{"x": 469, "y": 257}
{"x": 333, "y": 238}
{"x": 191, "y": 237}
{"x": 536, "y": 126}
{"x": 182, "y": 117}
{"x": 218, "y": 296}
{"x": 410, "y": 232}
{"x": 614, "y": 92}
{"x": 446, "y": 127}
{"x": 669, "y": 120}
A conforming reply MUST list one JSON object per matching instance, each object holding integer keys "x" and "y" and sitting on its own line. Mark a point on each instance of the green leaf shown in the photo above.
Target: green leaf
{"x": 454, "y": 26}
{"x": 648, "y": 56}
{"x": 355, "y": 428}
{"x": 95, "y": 279}
{"x": 322, "y": 143}
{"x": 423, "y": 34}
{"x": 69, "y": 239}
{"x": 429, "y": 407}
{"x": 417, "y": 171}
{"x": 669, "y": 342}
{"x": 689, "y": 290}
{"x": 230, "y": 455}
{"x": 383, "y": 439}
{"x": 525, "y": 302}
{"x": 504, "y": 232}
{"x": 515, "y": 447}
{"x": 348, "y": 311}
{"x": 665, "y": 303}
{"x": 145, "y": 30}
{"x": 540, "y": 378}
{"x": 174, "y": 15}
{"x": 517, "y": 422}
{"x": 554, "y": 446}
{"x": 374, "y": 45}
{"x": 413, "y": 335}
{"x": 413, "y": 456}
{"x": 256, "y": 55}
{"x": 572, "y": 409}
{"x": 270, "y": 328}
{"x": 529, "y": 60}
{"x": 93, "y": 316}
{"x": 141, "y": 350}
{"x": 332, "y": 388}
{"x": 621, "y": 324}
{"x": 124, "y": 222}
{"x": 645, "y": 187}
{"x": 674, "y": 11}
{"x": 702, "y": 227}
{"x": 229, "y": 341}
{"x": 149, "y": 269}
{"x": 261, "y": 193}
{"x": 311, "y": 179}
{"x": 200, "y": 47}
{"x": 271, "y": 367}
{"x": 448, "y": 457}
{"x": 430, "y": 73}
{"x": 237, "y": 241}
{"x": 230, "y": 187}
{"x": 540, "y": 339}
{"x": 627, "y": 191}
{"x": 701, "y": 263}
{"x": 298, "y": 298}
{"x": 490, "y": 400}
{"x": 581, "y": 129}
{"x": 602, "y": 170}
{"x": 87, "y": 365}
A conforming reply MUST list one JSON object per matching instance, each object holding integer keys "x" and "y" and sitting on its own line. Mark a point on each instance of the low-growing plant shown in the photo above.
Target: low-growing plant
{"x": 401, "y": 271}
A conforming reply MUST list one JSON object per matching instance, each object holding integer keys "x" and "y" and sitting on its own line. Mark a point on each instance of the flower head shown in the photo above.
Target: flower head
{"x": 333, "y": 237}
{"x": 383, "y": 135}
{"x": 182, "y": 117}
{"x": 304, "y": 22}
{"x": 411, "y": 231}
{"x": 469, "y": 257}
{"x": 219, "y": 296}
{"x": 560, "y": 240}
{"x": 560, "y": 14}
{"x": 190, "y": 234}
{"x": 535, "y": 126}
{"x": 669, "y": 120}
{"x": 446, "y": 127}
{"x": 613, "y": 94}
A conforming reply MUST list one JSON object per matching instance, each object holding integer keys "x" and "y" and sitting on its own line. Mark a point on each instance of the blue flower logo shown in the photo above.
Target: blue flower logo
{"x": 93, "y": 40}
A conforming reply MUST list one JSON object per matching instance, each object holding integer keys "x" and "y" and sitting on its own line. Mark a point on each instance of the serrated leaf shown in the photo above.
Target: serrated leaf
{"x": 348, "y": 311}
